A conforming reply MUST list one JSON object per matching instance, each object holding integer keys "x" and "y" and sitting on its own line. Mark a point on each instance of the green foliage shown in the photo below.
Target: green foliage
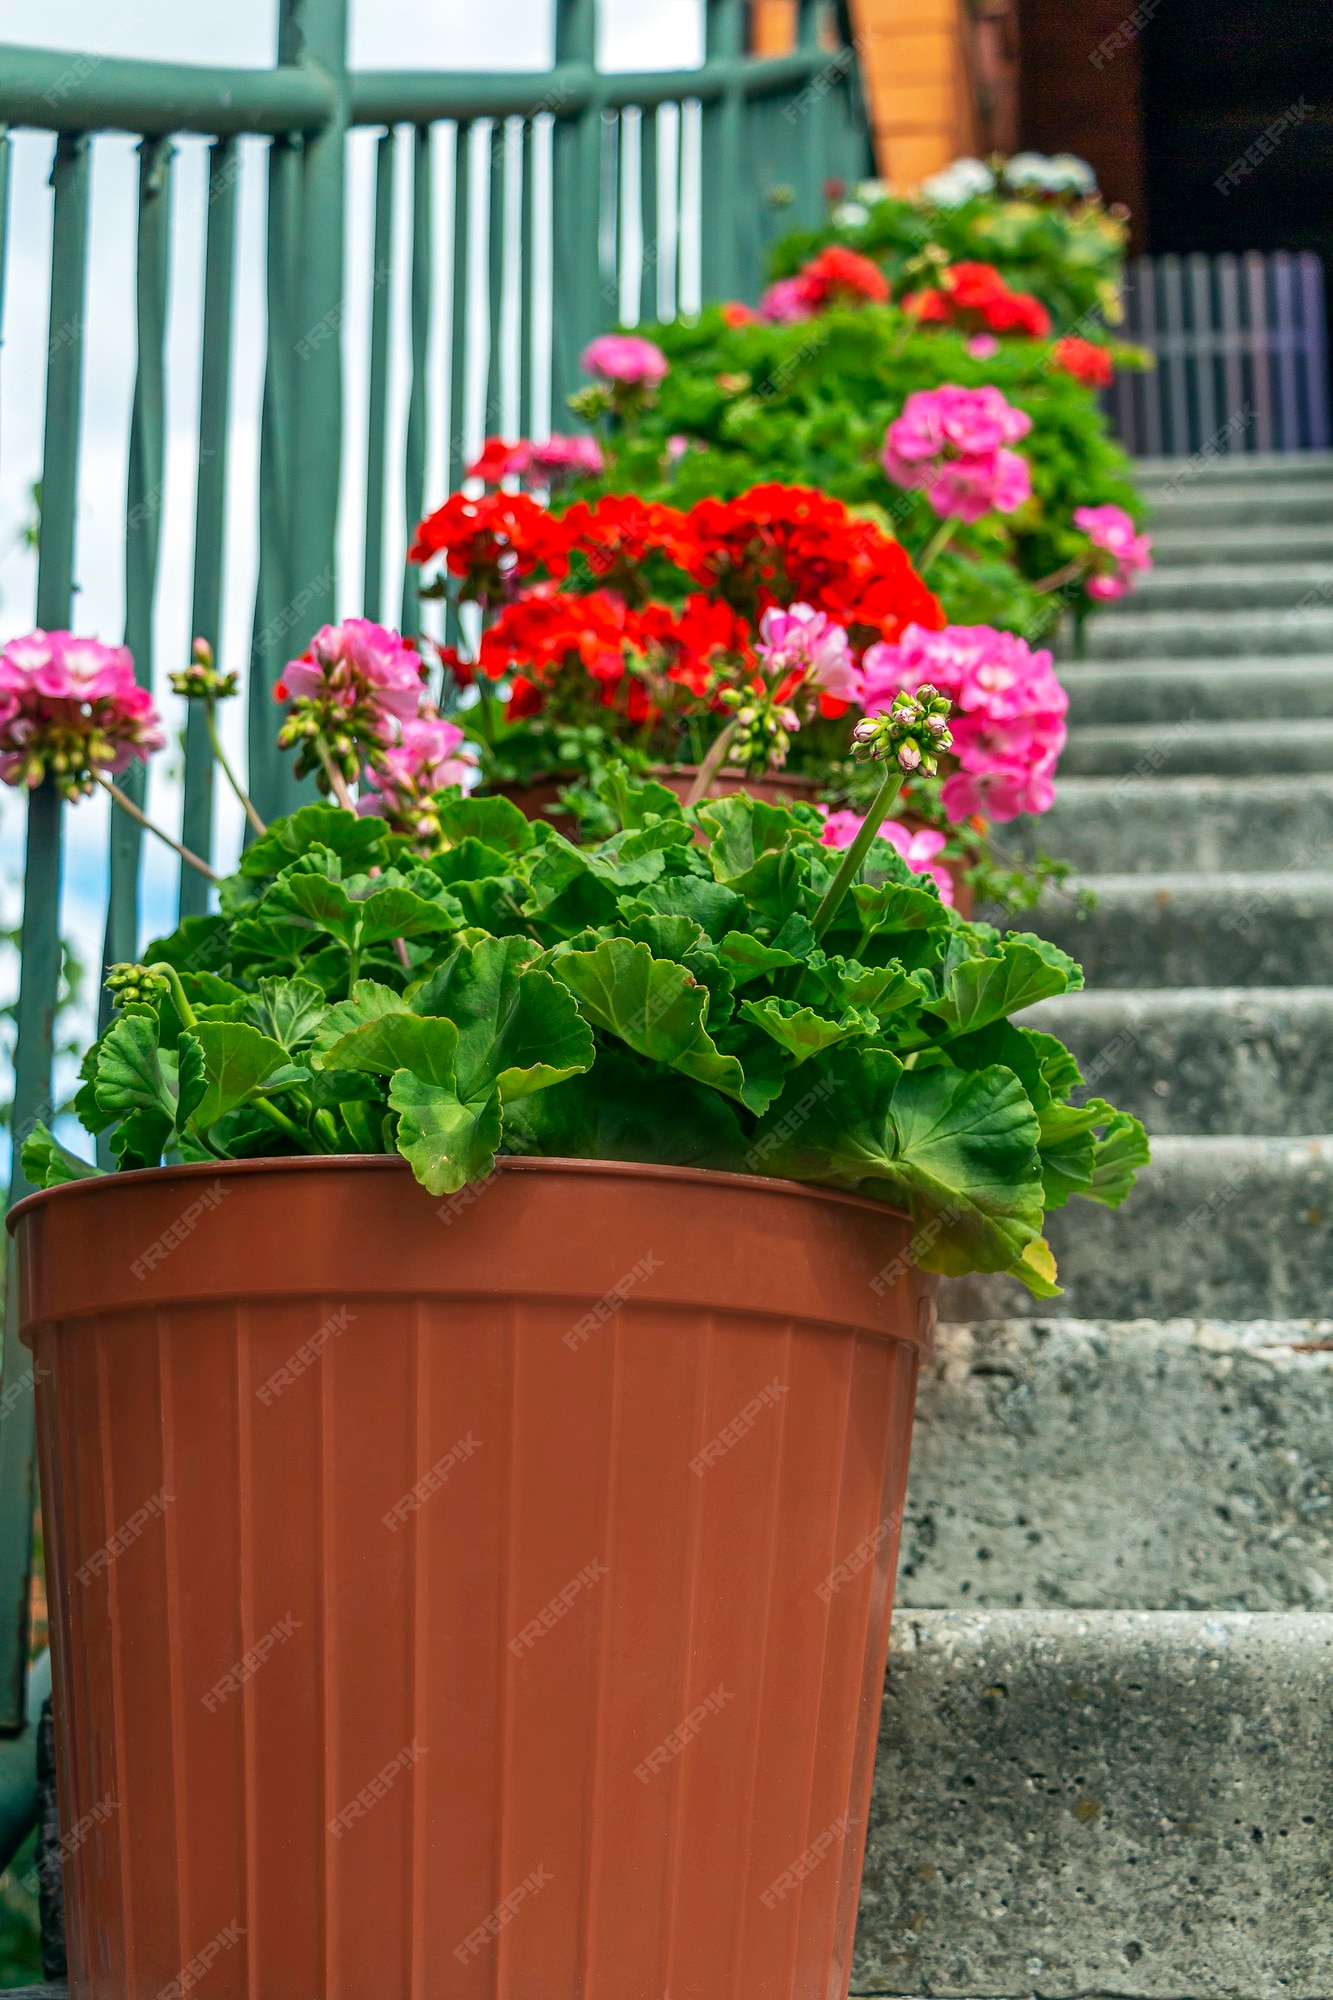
{"x": 809, "y": 404}
{"x": 658, "y": 996}
{"x": 1069, "y": 254}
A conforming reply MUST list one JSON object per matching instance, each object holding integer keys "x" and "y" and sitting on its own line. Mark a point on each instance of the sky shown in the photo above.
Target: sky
{"x": 428, "y": 34}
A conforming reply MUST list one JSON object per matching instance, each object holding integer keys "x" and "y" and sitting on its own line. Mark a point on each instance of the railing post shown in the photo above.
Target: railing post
{"x": 210, "y": 508}
{"x": 39, "y": 976}
{"x": 301, "y": 448}
{"x": 576, "y": 179}
{"x": 143, "y": 530}
{"x": 810, "y": 113}
{"x": 724, "y": 273}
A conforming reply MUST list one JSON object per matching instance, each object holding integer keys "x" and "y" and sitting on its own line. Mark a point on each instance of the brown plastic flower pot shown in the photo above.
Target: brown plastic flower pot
{"x": 486, "y": 1597}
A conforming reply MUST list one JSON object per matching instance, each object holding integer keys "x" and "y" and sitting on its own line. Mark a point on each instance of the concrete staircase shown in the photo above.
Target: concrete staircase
{"x": 1107, "y": 1754}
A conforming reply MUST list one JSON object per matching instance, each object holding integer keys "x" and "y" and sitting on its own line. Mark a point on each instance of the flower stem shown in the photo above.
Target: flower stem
{"x": 126, "y": 804}
{"x": 940, "y": 539}
{"x": 711, "y": 765}
{"x": 282, "y": 1121}
{"x": 210, "y": 717}
{"x": 856, "y": 853}
{"x": 182, "y": 1005}
{"x": 337, "y": 782}
{"x": 1065, "y": 574}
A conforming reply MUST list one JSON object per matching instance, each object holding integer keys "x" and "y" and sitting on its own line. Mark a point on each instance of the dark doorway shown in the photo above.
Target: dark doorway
{"x": 1238, "y": 125}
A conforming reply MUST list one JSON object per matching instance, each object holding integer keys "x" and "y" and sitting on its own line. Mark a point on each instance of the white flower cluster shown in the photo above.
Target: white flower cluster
{"x": 1026, "y": 173}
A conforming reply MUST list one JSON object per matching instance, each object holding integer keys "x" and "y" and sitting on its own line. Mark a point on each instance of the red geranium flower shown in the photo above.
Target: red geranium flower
{"x": 1084, "y": 360}
{"x": 492, "y": 542}
{"x": 976, "y": 296}
{"x": 838, "y": 275}
{"x": 548, "y": 628}
{"x": 617, "y": 534}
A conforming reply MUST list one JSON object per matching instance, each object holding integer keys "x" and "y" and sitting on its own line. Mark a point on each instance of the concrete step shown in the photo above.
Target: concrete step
{"x": 1138, "y": 825}
{"x": 1104, "y": 1803}
{"x": 1235, "y": 1228}
{"x": 1259, "y": 929}
{"x": 1104, "y": 1465}
{"x": 1249, "y": 1060}
{"x": 1171, "y": 691}
{"x": 1136, "y": 634}
{"x": 1198, "y": 504}
{"x": 1197, "y": 748}
{"x": 1273, "y": 586}
{"x": 1175, "y": 547}
{"x": 1241, "y": 468}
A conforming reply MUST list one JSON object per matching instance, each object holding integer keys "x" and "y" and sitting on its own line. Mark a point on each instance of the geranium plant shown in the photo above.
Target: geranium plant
{"x": 715, "y": 988}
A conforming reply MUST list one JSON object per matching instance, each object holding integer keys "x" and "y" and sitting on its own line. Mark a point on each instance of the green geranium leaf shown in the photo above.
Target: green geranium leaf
{"x": 129, "y": 1068}
{"x": 446, "y": 1142}
{"x": 369, "y": 1001}
{"x": 394, "y": 913}
{"x": 237, "y": 1059}
{"x": 289, "y": 1011}
{"x": 46, "y": 1163}
{"x": 496, "y": 821}
{"x": 656, "y": 1007}
{"x": 746, "y": 958}
{"x": 619, "y": 1111}
{"x": 313, "y": 901}
{"x": 518, "y": 1028}
{"x": 800, "y": 1031}
{"x": 357, "y": 842}
{"x": 1023, "y": 970}
{"x": 1119, "y": 1155}
{"x": 634, "y": 802}
{"x": 398, "y": 1041}
{"x": 191, "y": 1078}
{"x": 715, "y": 909}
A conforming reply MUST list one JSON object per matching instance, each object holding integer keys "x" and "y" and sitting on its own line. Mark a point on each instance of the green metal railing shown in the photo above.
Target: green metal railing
{"x": 786, "y": 122}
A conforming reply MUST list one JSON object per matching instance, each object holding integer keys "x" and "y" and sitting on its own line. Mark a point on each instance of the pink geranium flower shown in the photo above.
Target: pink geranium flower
{"x": 423, "y": 758}
{"x": 804, "y": 641}
{"x": 952, "y": 444}
{"x": 785, "y": 302}
{"x": 918, "y": 849}
{"x": 364, "y": 673}
{"x": 71, "y": 710}
{"x": 1009, "y": 713}
{"x": 1113, "y": 532}
{"x": 624, "y": 357}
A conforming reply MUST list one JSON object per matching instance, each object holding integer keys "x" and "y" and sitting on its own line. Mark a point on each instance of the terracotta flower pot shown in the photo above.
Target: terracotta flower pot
{"x": 479, "y": 1597}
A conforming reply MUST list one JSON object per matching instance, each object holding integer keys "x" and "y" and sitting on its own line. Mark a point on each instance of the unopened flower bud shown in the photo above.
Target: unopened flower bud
{"x": 909, "y": 756}
{"x": 134, "y": 985}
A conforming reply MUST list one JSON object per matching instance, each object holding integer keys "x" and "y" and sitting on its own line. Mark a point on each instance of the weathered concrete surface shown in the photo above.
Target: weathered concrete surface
{"x": 1134, "y": 634}
{"x": 1162, "y": 691}
{"x": 1125, "y": 749}
{"x": 1228, "y": 1228}
{"x": 1177, "y": 929}
{"x": 1120, "y": 1467}
{"x": 1128, "y": 1803}
{"x": 1142, "y": 826}
{"x": 1239, "y": 1059}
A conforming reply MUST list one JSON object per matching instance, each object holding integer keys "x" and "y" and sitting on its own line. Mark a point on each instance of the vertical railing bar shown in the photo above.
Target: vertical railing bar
{"x": 5, "y": 149}
{"x": 527, "y": 238}
{"x": 1233, "y": 363}
{"x": 456, "y": 413}
{"x": 496, "y": 149}
{"x": 722, "y": 162}
{"x": 1316, "y": 353}
{"x": 414, "y": 449}
{"x": 576, "y": 148}
{"x": 1256, "y": 289}
{"x": 372, "y": 587}
{"x": 1289, "y": 420}
{"x": 39, "y": 958}
{"x": 210, "y": 506}
{"x": 313, "y": 33}
{"x": 651, "y": 249}
{"x": 276, "y": 616}
{"x": 143, "y": 529}
{"x": 1205, "y": 322}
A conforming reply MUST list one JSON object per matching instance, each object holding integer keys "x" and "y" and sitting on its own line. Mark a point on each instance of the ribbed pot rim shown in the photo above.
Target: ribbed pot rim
{"x": 702, "y": 1177}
